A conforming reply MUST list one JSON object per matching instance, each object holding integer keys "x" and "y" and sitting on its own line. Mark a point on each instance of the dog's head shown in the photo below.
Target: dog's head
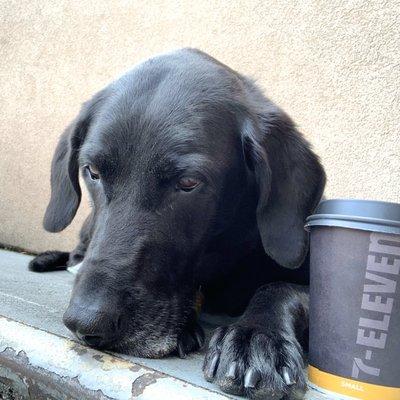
{"x": 168, "y": 152}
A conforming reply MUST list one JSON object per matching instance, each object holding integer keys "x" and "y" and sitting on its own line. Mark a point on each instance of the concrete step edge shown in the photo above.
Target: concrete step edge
{"x": 35, "y": 364}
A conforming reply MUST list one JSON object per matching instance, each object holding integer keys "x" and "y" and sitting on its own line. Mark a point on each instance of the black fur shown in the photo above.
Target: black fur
{"x": 49, "y": 261}
{"x": 148, "y": 246}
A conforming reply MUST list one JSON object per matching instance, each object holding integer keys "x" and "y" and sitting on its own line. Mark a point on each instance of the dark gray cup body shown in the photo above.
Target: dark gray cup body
{"x": 355, "y": 299}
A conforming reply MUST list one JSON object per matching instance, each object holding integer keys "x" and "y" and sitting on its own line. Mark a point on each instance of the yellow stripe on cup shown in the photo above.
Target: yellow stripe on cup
{"x": 350, "y": 387}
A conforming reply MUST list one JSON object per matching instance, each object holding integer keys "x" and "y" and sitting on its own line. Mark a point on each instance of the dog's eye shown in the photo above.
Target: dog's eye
{"x": 187, "y": 184}
{"x": 93, "y": 172}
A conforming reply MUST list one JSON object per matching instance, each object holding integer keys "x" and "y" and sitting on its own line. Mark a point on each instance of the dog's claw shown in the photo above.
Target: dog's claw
{"x": 251, "y": 378}
{"x": 199, "y": 339}
{"x": 286, "y": 377}
{"x": 181, "y": 351}
{"x": 232, "y": 372}
{"x": 213, "y": 366}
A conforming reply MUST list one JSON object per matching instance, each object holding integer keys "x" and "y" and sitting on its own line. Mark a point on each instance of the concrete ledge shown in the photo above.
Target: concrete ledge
{"x": 39, "y": 365}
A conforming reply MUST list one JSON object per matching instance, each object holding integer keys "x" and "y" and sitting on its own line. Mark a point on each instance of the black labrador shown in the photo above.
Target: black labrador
{"x": 198, "y": 183}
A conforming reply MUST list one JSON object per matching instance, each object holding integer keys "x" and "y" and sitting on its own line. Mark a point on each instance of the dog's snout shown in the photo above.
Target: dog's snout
{"x": 95, "y": 327}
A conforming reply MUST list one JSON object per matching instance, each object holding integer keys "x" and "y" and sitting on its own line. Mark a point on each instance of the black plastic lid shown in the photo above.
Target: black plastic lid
{"x": 367, "y": 215}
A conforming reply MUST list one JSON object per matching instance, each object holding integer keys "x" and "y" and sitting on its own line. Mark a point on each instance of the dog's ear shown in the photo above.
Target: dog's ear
{"x": 290, "y": 182}
{"x": 65, "y": 189}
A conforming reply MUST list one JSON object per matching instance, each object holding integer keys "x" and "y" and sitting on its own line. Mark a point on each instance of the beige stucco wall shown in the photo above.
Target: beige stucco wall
{"x": 333, "y": 65}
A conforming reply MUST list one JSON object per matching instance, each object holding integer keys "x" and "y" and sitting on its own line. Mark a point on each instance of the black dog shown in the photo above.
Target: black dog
{"x": 197, "y": 181}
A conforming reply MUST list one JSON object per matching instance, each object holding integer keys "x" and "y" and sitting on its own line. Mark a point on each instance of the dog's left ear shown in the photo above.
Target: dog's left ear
{"x": 290, "y": 182}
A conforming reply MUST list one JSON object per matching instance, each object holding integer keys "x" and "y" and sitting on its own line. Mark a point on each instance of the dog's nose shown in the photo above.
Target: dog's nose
{"x": 97, "y": 328}
{"x": 90, "y": 340}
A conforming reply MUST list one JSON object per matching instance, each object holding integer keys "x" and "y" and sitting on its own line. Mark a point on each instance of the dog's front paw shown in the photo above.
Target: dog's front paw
{"x": 191, "y": 339}
{"x": 255, "y": 362}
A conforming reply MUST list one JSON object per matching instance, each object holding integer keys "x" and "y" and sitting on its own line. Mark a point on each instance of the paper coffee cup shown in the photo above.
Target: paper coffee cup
{"x": 354, "y": 349}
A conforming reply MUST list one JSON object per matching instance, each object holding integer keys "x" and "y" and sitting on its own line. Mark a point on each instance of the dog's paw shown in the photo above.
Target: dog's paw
{"x": 255, "y": 362}
{"x": 49, "y": 261}
{"x": 191, "y": 339}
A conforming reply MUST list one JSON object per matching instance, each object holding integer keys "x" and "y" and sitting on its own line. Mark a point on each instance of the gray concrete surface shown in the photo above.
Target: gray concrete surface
{"x": 39, "y": 300}
{"x": 36, "y": 299}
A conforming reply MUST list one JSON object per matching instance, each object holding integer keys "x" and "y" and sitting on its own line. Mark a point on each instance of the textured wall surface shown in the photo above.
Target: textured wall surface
{"x": 334, "y": 66}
